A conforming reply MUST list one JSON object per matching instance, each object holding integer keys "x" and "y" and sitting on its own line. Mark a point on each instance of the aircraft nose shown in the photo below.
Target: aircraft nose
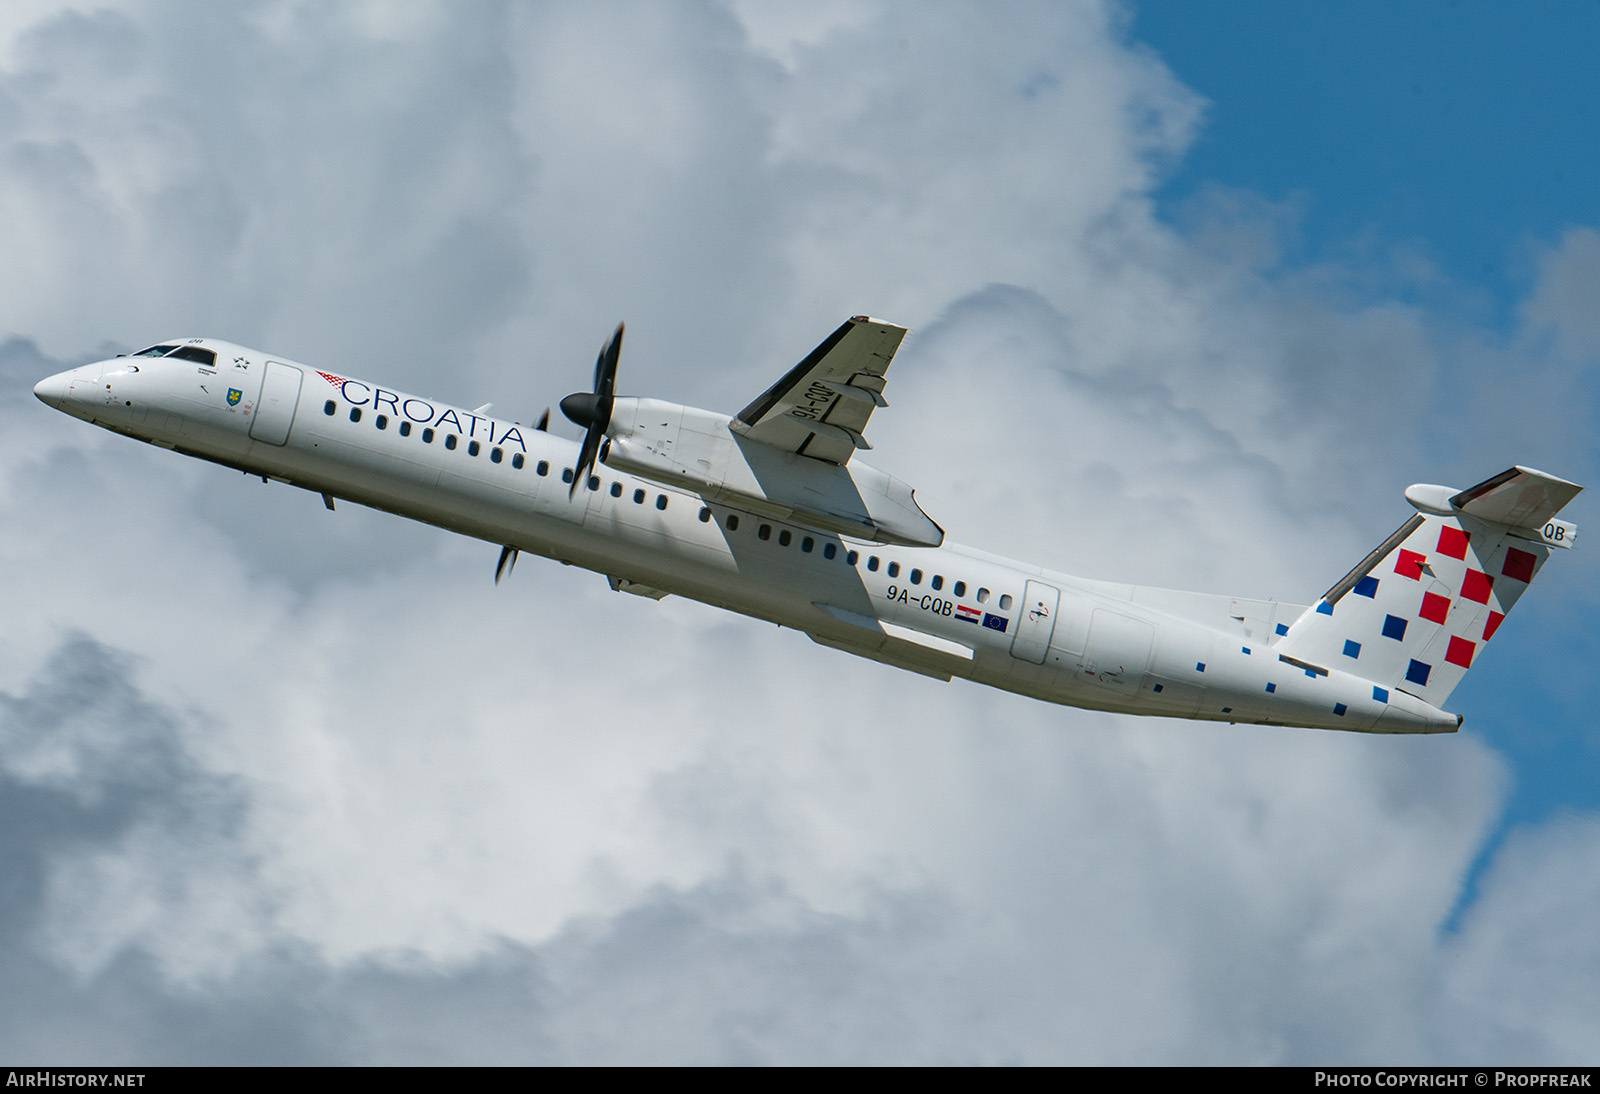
{"x": 77, "y": 387}
{"x": 52, "y": 390}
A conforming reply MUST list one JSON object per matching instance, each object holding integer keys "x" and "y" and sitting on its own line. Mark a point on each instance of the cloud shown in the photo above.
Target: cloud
{"x": 1560, "y": 306}
{"x": 290, "y": 786}
{"x": 1522, "y": 977}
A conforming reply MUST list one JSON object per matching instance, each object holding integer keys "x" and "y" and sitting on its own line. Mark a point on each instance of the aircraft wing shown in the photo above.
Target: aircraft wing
{"x": 820, "y": 408}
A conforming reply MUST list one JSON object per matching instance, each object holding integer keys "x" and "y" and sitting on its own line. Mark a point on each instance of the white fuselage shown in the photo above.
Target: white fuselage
{"x": 943, "y": 611}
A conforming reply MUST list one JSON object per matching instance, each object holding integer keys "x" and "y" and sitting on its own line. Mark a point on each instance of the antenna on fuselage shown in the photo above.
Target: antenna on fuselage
{"x": 507, "y": 563}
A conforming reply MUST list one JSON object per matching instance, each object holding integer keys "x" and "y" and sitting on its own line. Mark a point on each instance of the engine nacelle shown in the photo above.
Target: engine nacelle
{"x": 694, "y": 449}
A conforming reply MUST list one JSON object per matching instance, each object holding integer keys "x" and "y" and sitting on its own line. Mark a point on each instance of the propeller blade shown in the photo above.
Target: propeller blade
{"x": 592, "y": 410}
{"x": 591, "y": 446}
{"x": 544, "y": 421}
{"x": 605, "y": 369}
{"x": 507, "y": 563}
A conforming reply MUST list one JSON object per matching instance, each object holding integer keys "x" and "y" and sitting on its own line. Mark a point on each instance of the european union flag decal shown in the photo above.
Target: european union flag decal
{"x": 234, "y": 395}
{"x": 995, "y": 622}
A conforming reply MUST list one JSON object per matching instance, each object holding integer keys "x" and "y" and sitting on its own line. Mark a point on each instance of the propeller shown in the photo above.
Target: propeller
{"x": 592, "y": 410}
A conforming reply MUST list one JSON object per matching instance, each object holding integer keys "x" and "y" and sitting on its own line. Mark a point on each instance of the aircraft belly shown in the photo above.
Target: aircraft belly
{"x": 1139, "y": 662}
{"x": 399, "y": 483}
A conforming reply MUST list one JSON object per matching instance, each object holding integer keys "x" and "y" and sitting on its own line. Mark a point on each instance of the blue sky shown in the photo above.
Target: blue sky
{"x": 1454, "y": 126}
{"x": 1194, "y": 292}
{"x": 1456, "y": 130}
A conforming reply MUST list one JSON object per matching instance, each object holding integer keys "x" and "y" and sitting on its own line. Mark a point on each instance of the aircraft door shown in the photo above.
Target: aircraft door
{"x": 1036, "y": 622}
{"x": 280, "y": 392}
{"x": 1118, "y": 651}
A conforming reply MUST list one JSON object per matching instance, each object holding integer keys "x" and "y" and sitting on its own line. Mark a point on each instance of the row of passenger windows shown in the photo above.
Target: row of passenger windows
{"x": 763, "y": 531}
{"x": 496, "y": 454}
{"x": 451, "y": 441}
{"x": 831, "y": 550}
{"x": 639, "y": 495}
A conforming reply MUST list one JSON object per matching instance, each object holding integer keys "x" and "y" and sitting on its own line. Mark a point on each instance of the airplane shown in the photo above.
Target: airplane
{"x": 769, "y": 513}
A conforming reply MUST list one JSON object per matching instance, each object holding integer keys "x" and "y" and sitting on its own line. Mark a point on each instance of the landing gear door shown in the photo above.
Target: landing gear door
{"x": 1036, "y": 622}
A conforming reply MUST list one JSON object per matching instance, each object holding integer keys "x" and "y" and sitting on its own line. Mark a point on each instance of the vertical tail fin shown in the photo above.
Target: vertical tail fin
{"x": 1416, "y": 613}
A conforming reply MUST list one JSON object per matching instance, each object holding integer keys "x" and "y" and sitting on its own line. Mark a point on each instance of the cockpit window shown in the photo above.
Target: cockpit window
{"x": 156, "y": 351}
{"x": 195, "y": 353}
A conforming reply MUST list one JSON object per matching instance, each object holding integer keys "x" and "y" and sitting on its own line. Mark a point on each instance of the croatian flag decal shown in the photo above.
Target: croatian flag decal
{"x": 968, "y": 615}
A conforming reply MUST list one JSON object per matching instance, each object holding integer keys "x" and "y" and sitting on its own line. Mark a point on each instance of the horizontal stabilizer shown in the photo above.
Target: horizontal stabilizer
{"x": 1520, "y": 498}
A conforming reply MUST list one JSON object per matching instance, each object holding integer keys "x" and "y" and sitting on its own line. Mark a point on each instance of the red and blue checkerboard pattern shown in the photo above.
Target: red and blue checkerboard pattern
{"x": 1420, "y": 616}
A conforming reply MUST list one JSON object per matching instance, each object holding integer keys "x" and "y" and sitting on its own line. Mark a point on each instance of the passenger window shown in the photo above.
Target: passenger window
{"x": 937, "y": 582}
{"x": 805, "y": 545}
{"x": 566, "y": 475}
{"x": 383, "y": 421}
{"x": 594, "y": 482}
{"x": 405, "y": 429}
{"x": 764, "y": 532}
{"x": 517, "y": 461}
{"x": 1005, "y": 602}
{"x": 705, "y": 514}
{"x": 960, "y": 589}
{"x": 784, "y": 538}
{"x": 916, "y": 577}
{"x": 473, "y": 448}
{"x": 542, "y": 468}
{"x": 661, "y": 501}
{"x": 733, "y": 523}
{"x": 450, "y": 441}
{"x": 872, "y": 564}
{"x": 830, "y": 550}
{"x": 616, "y": 490}
{"x": 983, "y": 596}
{"x": 850, "y": 559}
{"x": 355, "y": 414}
{"x": 638, "y": 497}
{"x": 495, "y": 455}
{"x": 427, "y": 436}
{"x": 330, "y": 408}
{"x": 894, "y": 569}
